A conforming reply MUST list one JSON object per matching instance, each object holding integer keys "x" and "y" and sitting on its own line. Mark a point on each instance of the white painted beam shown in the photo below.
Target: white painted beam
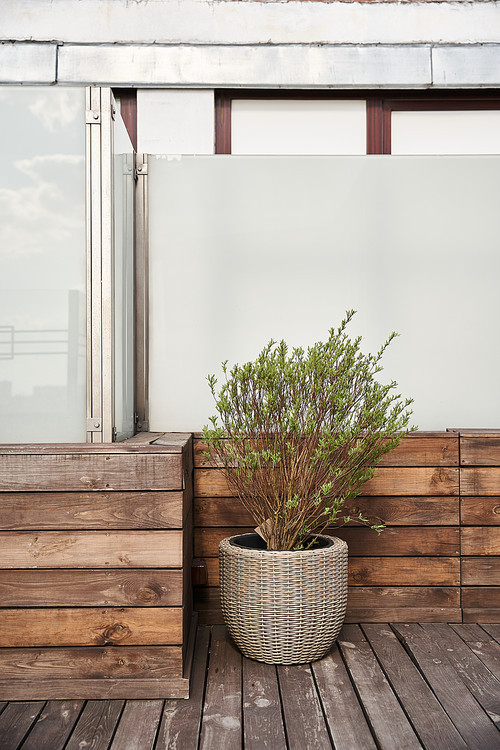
{"x": 466, "y": 66}
{"x": 175, "y": 121}
{"x": 222, "y": 22}
{"x": 27, "y": 63}
{"x": 293, "y": 66}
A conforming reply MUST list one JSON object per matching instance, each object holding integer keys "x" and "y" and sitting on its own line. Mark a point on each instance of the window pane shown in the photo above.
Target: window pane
{"x": 42, "y": 265}
{"x": 243, "y": 249}
{"x": 435, "y": 132}
{"x": 289, "y": 126}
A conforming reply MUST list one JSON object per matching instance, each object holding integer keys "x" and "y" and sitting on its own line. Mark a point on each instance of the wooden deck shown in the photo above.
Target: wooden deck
{"x": 392, "y": 687}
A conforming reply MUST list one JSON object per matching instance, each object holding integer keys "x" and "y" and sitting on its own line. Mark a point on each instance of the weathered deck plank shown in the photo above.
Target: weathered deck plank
{"x": 428, "y": 686}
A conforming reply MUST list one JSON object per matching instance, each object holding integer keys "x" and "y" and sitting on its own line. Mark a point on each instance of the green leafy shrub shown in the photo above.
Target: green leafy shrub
{"x": 300, "y": 433}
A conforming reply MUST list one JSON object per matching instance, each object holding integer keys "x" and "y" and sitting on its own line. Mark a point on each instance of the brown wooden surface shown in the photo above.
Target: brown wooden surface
{"x": 94, "y": 471}
{"x": 484, "y": 642}
{"x": 91, "y": 588}
{"x": 393, "y": 511}
{"x": 54, "y": 725}
{"x": 263, "y": 725}
{"x": 404, "y": 596}
{"x": 480, "y": 481}
{"x": 439, "y": 449}
{"x": 395, "y": 541}
{"x": 96, "y": 725}
{"x": 90, "y": 510}
{"x": 138, "y": 725}
{"x": 432, "y": 481}
{"x": 480, "y": 511}
{"x": 477, "y": 540}
{"x": 481, "y": 614}
{"x": 480, "y": 451}
{"x": 477, "y": 571}
{"x": 77, "y": 688}
{"x": 90, "y": 549}
{"x": 306, "y": 726}
{"x": 481, "y": 597}
{"x": 28, "y": 628}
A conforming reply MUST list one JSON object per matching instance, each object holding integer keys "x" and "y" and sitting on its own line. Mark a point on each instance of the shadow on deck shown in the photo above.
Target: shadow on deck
{"x": 398, "y": 686}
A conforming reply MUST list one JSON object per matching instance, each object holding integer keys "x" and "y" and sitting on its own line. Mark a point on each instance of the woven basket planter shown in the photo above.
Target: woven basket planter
{"x": 283, "y": 607}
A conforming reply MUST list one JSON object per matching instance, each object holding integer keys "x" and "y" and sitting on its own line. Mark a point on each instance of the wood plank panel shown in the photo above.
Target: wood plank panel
{"x": 90, "y": 510}
{"x": 344, "y": 715}
{"x": 409, "y": 614}
{"x": 15, "y": 722}
{"x": 90, "y": 549}
{"x": 414, "y": 450}
{"x": 387, "y": 719}
{"x": 396, "y": 541}
{"x": 477, "y": 540}
{"x": 480, "y": 481}
{"x": 433, "y": 725}
{"x": 263, "y": 721}
{"x": 26, "y": 628}
{"x": 91, "y": 662}
{"x": 98, "y": 688}
{"x": 480, "y": 571}
{"x": 481, "y": 597}
{"x": 96, "y": 471}
{"x": 181, "y": 720}
{"x": 91, "y": 588}
{"x": 473, "y": 724}
{"x": 138, "y": 725}
{"x": 432, "y": 481}
{"x": 385, "y": 571}
{"x": 222, "y": 723}
{"x": 484, "y": 642}
{"x": 96, "y": 725}
{"x": 481, "y": 614}
{"x": 304, "y": 720}
{"x": 393, "y": 511}
{"x": 480, "y": 451}
{"x": 401, "y": 597}
{"x": 480, "y": 511}
{"x": 54, "y": 725}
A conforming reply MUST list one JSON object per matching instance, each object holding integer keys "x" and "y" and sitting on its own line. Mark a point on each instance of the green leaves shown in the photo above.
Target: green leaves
{"x": 300, "y": 431}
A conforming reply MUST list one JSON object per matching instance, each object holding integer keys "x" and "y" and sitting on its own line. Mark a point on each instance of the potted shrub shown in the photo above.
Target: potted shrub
{"x": 299, "y": 433}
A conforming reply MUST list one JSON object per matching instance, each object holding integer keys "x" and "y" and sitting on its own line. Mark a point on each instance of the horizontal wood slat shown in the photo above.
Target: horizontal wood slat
{"x": 92, "y": 662}
{"x": 477, "y": 571}
{"x": 92, "y": 588}
{"x": 90, "y": 471}
{"x": 481, "y": 615}
{"x": 74, "y": 688}
{"x": 415, "y": 450}
{"x": 388, "y": 481}
{"x": 480, "y": 511}
{"x": 91, "y": 510}
{"x": 480, "y": 481}
{"x": 404, "y": 596}
{"x": 394, "y": 541}
{"x": 91, "y": 549}
{"x": 480, "y": 451}
{"x": 406, "y": 614}
{"x": 37, "y": 628}
{"x": 394, "y": 511}
{"x": 386, "y": 571}
{"x": 483, "y": 597}
{"x": 477, "y": 540}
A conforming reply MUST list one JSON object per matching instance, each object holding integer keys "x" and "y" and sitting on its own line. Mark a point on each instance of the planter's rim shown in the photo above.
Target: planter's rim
{"x": 229, "y": 544}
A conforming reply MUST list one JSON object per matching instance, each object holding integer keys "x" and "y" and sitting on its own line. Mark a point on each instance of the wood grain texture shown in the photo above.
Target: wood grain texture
{"x": 477, "y": 540}
{"x": 481, "y": 615}
{"x": 91, "y": 549}
{"x": 140, "y": 688}
{"x": 426, "y": 714}
{"x": 395, "y": 541}
{"x": 480, "y": 451}
{"x": 474, "y": 597}
{"x": 90, "y": 588}
{"x": 138, "y": 725}
{"x": 404, "y": 596}
{"x": 432, "y": 481}
{"x": 96, "y": 725}
{"x": 95, "y": 471}
{"x": 222, "y": 724}
{"x": 90, "y": 510}
{"x": 387, "y": 719}
{"x": 484, "y": 641}
{"x": 481, "y": 571}
{"x": 306, "y": 726}
{"x": 27, "y": 628}
{"x": 15, "y": 722}
{"x": 393, "y": 511}
{"x": 54, "y": 725}
{"x": 480, "y": 511}
{"x": 473, "y": 724}
{"x": 92, "y": 662}
{"x": 480, "y": 481}
{"x": 263, "y": 724}
{"x": 414, "y": 450}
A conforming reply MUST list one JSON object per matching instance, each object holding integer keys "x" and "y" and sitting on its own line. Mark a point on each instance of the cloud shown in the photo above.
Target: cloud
{"x": 57, "y": 108}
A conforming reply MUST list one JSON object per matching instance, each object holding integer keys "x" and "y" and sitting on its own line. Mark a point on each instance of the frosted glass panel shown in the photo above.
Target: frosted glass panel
{"x": 243, "y": 249}
{"x": 460, "y": 132}
{"x": 123, "y": 166}
{"x": 42, "y": 265}
{"x": 288, "y": 126}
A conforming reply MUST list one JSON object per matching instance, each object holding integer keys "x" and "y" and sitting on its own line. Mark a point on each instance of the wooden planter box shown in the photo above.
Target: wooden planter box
{"x": 95, "y": 566}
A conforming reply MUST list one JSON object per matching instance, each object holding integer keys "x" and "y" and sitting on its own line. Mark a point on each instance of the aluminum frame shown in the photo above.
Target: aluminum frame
{"x": 141, "y": 295}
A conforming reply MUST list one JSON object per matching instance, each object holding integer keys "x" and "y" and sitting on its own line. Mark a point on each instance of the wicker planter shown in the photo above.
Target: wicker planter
{"x": 283, "y": 607}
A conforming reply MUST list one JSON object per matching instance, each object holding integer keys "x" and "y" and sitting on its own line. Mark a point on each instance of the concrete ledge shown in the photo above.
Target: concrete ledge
{"x": 471, "y": 66}
{"x": 27, "y": 63}
{"x": 292, "y": 66}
